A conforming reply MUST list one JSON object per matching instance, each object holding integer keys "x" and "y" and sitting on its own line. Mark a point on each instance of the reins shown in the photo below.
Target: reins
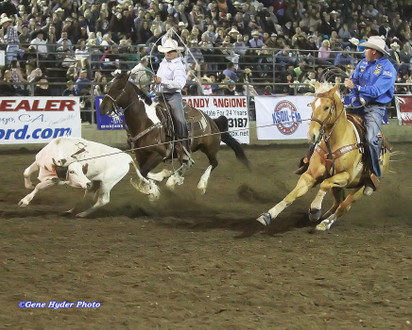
{"x": 117, "y": 112}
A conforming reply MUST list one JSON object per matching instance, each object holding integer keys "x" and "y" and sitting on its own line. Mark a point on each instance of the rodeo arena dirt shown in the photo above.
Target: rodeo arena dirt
{"x": 195, "y": 261}
{"x": 144, "y": 256}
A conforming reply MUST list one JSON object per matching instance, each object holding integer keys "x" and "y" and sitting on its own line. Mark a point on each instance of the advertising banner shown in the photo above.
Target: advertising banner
{"x": 233, "y": 107}
{"x": 107, "y": 122}
{"x": 38, "y": 119}
{"x": 404, "y": 109}
{"x": 283, "y": 118}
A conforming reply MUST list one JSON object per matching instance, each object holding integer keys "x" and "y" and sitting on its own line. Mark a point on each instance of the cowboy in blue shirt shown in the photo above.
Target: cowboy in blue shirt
{"x": 371, "y": 89}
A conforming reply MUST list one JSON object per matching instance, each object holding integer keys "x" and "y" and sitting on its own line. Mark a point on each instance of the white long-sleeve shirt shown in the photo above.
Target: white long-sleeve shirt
{"x": 40, "y": 44}
{"x": 173, "y": 75}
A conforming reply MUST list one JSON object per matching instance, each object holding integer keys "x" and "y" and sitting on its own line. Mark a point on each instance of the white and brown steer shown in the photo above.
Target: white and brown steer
{"x": 80, "y": 163}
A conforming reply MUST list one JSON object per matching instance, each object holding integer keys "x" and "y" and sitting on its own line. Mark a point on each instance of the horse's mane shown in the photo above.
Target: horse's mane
{"x": 138, "y": 91}
{"x": 325, "y": 87}
{"x": 141, "y": 94}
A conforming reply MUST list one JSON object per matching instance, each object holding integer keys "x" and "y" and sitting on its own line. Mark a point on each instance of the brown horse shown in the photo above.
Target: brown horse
{"x": 336, "y": 164}
{"x": 151, "y": 138}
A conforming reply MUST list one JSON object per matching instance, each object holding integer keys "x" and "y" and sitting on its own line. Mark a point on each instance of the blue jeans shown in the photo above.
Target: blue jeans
{"x": 373, "y": 116}
{"x": 175, "y": 101}
{"x": 11, "y": 53}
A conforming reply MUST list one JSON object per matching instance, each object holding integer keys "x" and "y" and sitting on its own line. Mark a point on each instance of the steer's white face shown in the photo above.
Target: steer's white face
{"x": 75, "y": 176}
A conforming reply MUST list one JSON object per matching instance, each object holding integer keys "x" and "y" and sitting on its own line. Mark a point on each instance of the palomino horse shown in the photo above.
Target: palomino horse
{"x": 336, "y": 164}
{"x": 150, "y": 137}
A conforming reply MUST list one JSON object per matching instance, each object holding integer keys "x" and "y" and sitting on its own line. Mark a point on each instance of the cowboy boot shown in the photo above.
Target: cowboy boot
{"x": 184, "y": 155}
{"x": 169, "y": 151}
{"x": 304, "y": 162}
{"x": 303, "y": 166}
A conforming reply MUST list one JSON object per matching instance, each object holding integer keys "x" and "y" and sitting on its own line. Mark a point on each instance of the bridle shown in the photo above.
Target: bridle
{"x": 114, "y": 102}
{"x": 323, "y": 123}
{"x": 117, "y": 112}
{"x": 330, "y": 156}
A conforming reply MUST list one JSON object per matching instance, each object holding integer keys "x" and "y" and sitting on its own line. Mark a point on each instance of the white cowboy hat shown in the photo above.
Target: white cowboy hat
{"x": 354, "y": 41}
{"x": 375, "y": 42}
{"x": 255, "y": 33}
{"x": 169, "y": 45}
{"x": 5, "y": 20}
{"x": 233, "y": 31}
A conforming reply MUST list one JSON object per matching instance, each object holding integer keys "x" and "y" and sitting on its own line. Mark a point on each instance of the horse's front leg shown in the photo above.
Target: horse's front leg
{"x": 147, "y": 186}
{"x": 343, "y": 207}
{"x": 177, "y": 178}
{"x": 339, "y": 180}
{"x": 159, "y": 176}
{"x": 306, "y": 181}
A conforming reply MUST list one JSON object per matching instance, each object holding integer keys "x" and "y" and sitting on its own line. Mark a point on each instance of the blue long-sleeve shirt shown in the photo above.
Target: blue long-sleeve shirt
{"x": 374, "y": 82}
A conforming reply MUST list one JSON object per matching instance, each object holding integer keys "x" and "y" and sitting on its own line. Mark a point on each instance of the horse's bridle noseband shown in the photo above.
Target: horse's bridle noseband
{"x": 114, "y": 102}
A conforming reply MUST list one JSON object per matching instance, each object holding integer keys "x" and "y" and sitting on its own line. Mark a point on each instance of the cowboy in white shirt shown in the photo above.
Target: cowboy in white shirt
{"x": 171, "y": 76}
{"x": 40, "y": 44}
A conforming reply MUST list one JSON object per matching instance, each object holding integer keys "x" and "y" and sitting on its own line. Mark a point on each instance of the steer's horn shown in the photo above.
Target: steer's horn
{"x": 60, "y": 162}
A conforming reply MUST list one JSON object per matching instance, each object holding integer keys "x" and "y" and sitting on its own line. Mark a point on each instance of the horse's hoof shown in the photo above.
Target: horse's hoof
{"x": 68, "y": 212}
{"x": 264, "y": 219}
{"x": 324, "y": 225}
{"x": 23, "y": 203}
{"x": 314, "y": 215}
{"x": 81, "y": 214}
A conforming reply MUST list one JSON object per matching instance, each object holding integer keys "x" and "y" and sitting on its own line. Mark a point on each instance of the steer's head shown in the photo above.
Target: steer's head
{"x": 72, "y": 173}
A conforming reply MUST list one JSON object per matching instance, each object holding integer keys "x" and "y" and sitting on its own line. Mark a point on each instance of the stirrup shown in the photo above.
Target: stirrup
{"x": 371, "y": 185}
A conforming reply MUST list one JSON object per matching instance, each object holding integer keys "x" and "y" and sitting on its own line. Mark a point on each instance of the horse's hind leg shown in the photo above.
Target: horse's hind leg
{"x": 305, "y": 182}
{"x": 339, "y": 196}
{"x": 204, "y": 179}
{"x": 343, "y": 207}
{"x": 339, "y": 180}
{"x": 202, "y": 185}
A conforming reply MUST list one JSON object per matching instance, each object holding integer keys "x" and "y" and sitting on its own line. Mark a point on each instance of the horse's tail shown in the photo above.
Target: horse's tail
{"x": 222, "y": 124}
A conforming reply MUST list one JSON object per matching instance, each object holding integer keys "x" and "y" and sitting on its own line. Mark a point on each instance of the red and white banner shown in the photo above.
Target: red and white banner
{"x": 233, "y": 107}
{"x": 38, "y": 119}
{"x": 404, "y": 109}
{"x": 283, "y": 118}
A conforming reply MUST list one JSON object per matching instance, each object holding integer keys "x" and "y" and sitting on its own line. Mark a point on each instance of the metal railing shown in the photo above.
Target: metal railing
{"x": 265, "y": 67}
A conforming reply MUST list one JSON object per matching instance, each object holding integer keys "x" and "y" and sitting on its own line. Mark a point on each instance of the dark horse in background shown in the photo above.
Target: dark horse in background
{"x": 150, "y": 136}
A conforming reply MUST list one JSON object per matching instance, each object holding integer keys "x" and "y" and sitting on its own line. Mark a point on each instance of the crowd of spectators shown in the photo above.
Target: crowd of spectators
{"x": 229, "y": 45}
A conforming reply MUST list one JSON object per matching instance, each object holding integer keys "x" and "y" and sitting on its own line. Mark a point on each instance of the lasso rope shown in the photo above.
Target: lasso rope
{"x": 180, "y": 140}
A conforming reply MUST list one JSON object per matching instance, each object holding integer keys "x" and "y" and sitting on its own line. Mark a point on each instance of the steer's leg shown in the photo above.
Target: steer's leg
{"x": 40, "y": 186}
{"x": 103, "y": 198}
{"x": 27, "y": 174}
